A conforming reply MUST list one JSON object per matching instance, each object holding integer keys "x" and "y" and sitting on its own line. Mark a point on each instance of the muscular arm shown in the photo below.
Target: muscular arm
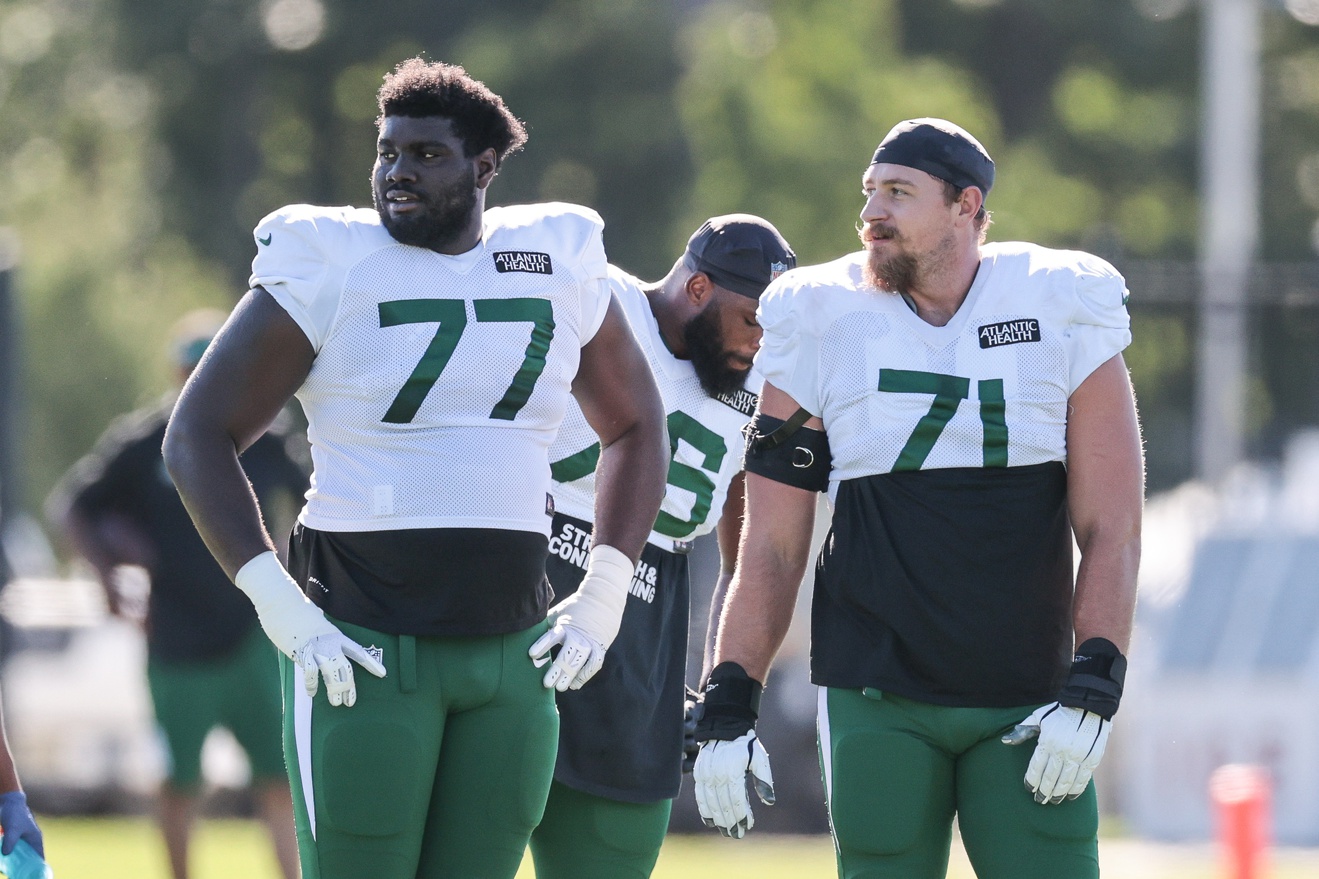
{"x": 251, "y": 370}
{"x": 619, "y": 398}
{"x": 1105, "y": 489}
{"x": 729, "y": 533}
{"x": 776, "y": 540}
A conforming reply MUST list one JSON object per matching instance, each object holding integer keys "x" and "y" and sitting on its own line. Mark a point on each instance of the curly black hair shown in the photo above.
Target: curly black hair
{"x": 479, "y": 116}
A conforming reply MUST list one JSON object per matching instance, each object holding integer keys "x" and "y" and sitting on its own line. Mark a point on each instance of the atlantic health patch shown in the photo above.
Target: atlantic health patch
{"x": 742, "y": 400}
{"x": 1009, "y": 332}
{"x": 523, "y": 261}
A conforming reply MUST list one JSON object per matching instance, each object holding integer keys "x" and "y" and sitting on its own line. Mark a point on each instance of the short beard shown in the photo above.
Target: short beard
{"x": 896, "y": 274}
{"x": 444, "y": 217}
{"x": 705, "y": 350}
{"x": 902, "y": 272}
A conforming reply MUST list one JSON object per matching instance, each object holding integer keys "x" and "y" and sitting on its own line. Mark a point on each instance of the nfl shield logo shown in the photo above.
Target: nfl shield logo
{"x": 776, "y": 269}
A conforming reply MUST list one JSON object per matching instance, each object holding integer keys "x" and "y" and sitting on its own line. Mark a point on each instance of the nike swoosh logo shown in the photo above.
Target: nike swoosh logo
{"x": 266, "y": 240}
{"x": 540, "y": 663}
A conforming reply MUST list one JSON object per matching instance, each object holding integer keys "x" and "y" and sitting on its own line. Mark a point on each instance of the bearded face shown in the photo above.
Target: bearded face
{"x": 435, "y": 218}
{"x": 890, "y": 268}
{"x": 893, "y": 265}
{"x": 717, "y": 368}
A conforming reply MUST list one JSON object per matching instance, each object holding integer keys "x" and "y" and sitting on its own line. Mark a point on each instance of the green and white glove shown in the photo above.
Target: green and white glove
{"x": 584, "y": 624}
{"x": 300, "y": 631}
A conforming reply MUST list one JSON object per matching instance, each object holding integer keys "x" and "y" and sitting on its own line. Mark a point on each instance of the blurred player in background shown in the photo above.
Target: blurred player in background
{"x": 434, "y": 346}
{"x": 967, "y": 407}
{"x": 621, "y": 738}
{"x": 208, "y": 664}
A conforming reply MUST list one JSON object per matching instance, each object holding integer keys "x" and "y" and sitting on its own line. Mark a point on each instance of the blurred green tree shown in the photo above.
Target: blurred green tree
{"x": 269, "y": 103}
{"x": 100, "y": 275}
{"x": 143, "y": 139}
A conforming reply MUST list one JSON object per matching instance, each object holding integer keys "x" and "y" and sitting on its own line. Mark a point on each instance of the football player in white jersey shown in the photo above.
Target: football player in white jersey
{"x": 621, "y": 738}
{"x": 434, "y": 346}
{"x": 967, "y": 408}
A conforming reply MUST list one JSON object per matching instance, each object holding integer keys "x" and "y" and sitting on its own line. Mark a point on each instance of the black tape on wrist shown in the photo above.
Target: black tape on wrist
{"x": 730, "y": 704}
{"x": 786, "y": 452}
{"x": 1095, "y": 683}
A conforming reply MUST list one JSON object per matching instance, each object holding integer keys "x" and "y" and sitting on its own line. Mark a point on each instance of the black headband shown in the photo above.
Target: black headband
{"x": 940, "y": 149}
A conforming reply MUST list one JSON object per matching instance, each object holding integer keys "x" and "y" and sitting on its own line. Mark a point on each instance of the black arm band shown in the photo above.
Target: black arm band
{"x": 730, "y": 704}
{"x": 1095, "y": 682}
{"x": 786, "y": 452}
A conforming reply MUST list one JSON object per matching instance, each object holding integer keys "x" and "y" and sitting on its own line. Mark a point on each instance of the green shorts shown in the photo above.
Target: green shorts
{"x": 440, "y": 769}
{"x": 239, "y": 692}
{"x": 583, "y": 836}
{"x": 896, "y": 771}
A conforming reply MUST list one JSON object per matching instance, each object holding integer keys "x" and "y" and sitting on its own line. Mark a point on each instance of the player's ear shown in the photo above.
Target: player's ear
{"x": 699, "y": 289}
{"x": 969, "y": 202}
{"x": 487, "y": 166}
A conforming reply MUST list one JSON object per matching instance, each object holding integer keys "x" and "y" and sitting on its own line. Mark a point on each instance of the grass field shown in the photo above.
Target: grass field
{"x": 129, "y": 848}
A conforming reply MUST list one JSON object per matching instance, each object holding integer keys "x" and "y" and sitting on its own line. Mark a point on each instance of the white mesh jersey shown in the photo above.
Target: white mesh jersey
{"x": 988, "y": 389}
{"x": 439, "y": 381}
{"x": 705, "y": 435}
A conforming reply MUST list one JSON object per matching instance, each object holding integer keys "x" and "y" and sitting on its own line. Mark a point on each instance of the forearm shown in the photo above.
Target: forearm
{"x": 630, "y": 486}
{"x": 761, "y": 598}
{"x": 203, "y": 462}
{"x": 1105, "y": 600}
{"x": 8, "y": 773}
{"x": 1106, "y": 493}
{"x": 717, "y": 600}
{"x": 754, "y": 622}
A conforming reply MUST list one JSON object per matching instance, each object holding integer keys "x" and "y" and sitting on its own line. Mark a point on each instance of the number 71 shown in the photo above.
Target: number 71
{"x": 949, "y": 391}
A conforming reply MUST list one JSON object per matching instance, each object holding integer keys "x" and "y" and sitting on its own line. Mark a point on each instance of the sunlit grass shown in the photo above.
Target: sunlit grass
{"x": 130, "y": 848}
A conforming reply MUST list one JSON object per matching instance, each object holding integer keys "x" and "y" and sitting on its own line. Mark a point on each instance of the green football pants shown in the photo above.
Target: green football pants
{"x": 441, "y": 769}
{"x": 239, "y": 692}
{"x": 896, "y": 771}
{"x": 583, "y": 836}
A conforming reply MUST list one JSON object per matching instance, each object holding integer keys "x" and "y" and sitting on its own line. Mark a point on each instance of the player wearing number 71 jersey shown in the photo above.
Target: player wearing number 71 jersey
{"x": 434, "y": 347}
{"x": 967, "y": 408}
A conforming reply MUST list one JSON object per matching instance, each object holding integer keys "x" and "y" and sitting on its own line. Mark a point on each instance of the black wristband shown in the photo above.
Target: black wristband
{"x": 730, "y": 704}
{"x": 1095, "y": 681}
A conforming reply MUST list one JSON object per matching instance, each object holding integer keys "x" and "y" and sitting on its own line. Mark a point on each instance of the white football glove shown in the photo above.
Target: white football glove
{"x": 1072, "y": 742}
{"x": 720, "y": 777}
{"x": 300, "y": 630}
{"x": 586, "y": 622}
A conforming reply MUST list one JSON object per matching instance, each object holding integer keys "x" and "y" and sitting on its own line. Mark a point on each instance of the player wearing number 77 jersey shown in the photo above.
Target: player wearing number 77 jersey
{"x": 974, "y": 405}
{"x": 621, "y": 738}
{"x": 434, "y": 347}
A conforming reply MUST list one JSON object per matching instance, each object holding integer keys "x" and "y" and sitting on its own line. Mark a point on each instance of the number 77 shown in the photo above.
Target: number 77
{"x": 451, "y": 315}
